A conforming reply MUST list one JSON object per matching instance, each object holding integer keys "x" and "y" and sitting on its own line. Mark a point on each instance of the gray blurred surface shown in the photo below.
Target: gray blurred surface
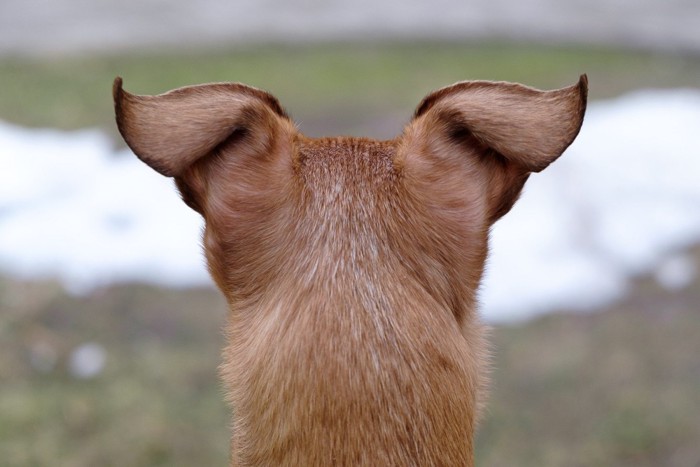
{"x": 74, "y": 26}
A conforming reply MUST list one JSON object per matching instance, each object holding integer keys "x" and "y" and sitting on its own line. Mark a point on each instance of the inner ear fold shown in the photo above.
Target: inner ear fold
{"x": 171, "y": 131}
{"x": 529, "y": 127}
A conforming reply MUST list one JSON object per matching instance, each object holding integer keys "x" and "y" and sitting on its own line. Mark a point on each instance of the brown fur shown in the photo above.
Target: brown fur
{"x": 350, "y": 265}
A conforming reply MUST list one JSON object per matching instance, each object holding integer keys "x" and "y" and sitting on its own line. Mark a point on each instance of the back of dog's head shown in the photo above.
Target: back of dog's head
{"x": 277, "y": 203}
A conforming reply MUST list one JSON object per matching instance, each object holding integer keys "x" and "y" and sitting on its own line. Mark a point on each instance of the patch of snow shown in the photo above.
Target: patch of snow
{"x": 71, "y": 207}
{"x": 87, "y": 360}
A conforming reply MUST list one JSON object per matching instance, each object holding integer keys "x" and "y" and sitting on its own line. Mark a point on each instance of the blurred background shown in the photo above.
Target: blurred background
{"x": 110, "y": 329}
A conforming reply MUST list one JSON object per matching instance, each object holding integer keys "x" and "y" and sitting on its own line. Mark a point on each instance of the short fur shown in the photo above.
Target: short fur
{"x": 351, "y": 266}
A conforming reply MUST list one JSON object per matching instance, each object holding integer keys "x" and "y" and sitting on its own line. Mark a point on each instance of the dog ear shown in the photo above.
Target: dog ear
{"x": 528, "y": 127}
{"x": 480, "y": 140}
{"x": 171, "y": 131}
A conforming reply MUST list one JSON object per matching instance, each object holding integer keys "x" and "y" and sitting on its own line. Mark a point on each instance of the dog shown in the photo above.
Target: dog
{"x": 350, "y": 265}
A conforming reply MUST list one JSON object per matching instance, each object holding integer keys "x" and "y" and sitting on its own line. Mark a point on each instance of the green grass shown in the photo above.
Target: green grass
{"x": 620, "y": 387}
{"x": 338, "y": 88}
{"x": 158, "y": 401}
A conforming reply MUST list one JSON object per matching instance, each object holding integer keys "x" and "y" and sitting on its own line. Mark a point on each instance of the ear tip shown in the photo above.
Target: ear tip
{"x": 583, "y": 86}
{"x": 117, "y": 88}
{"x": 118, "y": 96}
{"x": 583, "y": 93}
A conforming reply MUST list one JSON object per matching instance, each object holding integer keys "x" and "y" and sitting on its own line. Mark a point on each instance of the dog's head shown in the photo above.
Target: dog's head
{"x": 280, "y": 208}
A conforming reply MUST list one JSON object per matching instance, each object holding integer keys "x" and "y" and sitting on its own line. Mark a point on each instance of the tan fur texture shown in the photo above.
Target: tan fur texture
{"x": 351, "y": 266}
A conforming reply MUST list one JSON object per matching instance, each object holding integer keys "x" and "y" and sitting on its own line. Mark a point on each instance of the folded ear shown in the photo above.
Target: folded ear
{"x": 171, "y": 131}
{"x": 528, "y": 127}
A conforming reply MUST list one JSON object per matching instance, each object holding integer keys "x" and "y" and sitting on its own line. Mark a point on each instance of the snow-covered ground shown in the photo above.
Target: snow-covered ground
{"x": 624, "y": 200}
